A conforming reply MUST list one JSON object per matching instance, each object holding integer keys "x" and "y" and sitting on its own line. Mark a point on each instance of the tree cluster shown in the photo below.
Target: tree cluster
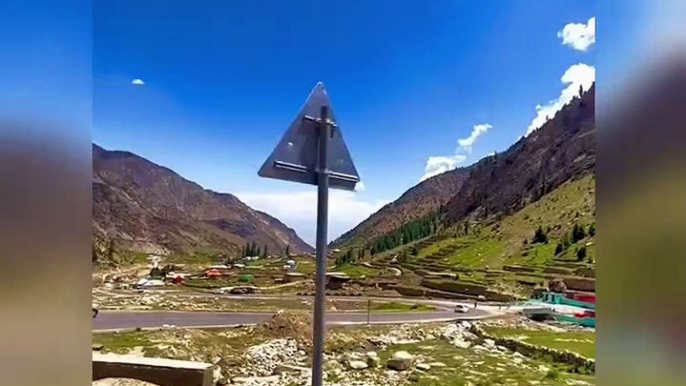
{"x": 577, "y": 234}
{"x": 350, "y": 256}
{"x": 251, "y": 249}
{"x": 407, "y": 233}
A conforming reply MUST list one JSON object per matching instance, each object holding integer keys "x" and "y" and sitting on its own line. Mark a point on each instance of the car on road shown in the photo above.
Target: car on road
{"x": 461, "y": 308}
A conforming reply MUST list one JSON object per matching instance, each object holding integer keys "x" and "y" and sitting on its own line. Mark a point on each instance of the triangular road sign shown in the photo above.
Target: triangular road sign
{"x": 295, "y": 157}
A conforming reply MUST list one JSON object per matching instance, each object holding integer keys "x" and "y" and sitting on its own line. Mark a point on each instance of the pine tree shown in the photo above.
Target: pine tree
{"x": 95, "y": 253}
{"x": 581, "y": 253}
{"x": 558, "y": 249}
{"x": 578, "y": 233}
{"x": 110, "y": 250}
{"x": 539, "y": 236}
{"x": 265, "y": 254}
{"x": 288, "y": 250}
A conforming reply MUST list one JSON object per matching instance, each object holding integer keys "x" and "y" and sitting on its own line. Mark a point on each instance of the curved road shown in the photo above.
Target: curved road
{"x": 123, "y": 320}
{"x": 109, "y": 321}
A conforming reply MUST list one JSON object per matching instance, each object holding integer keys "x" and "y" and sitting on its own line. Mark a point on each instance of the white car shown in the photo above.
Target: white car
{"x": 461, "y": 308}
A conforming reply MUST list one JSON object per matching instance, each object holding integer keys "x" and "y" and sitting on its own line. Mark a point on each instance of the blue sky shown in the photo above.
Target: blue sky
{"x": 408, "y": 79}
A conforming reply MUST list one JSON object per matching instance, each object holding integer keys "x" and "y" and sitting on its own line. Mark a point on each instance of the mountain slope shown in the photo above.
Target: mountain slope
{"x": 420, "y": 200}
{"x": 562, "y": 149}
{"x": 149, "y": 208}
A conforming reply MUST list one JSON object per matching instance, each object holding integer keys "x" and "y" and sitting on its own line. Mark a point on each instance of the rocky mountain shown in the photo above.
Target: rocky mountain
{"x": 150, "y": 208}
{"x": 422, "y": 199}
{"x": 562, "y": 149}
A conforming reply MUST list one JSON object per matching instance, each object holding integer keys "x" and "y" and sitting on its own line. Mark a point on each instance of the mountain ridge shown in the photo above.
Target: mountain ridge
{"x": 150, "y": 208}
{"x": 418, "y": 201}
{"x": 500, "y": 184}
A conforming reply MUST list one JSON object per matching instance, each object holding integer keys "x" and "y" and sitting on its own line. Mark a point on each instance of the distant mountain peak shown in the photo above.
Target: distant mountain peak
{"x": 147, "y": 206}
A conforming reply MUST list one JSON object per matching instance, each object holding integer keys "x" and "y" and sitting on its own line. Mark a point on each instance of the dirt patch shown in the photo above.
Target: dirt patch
{"x": 284, "y": 324}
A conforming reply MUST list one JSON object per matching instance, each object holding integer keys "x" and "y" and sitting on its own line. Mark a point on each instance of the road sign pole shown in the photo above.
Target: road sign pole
{"x": 302, "y": 156}
{"x": 319, "y": 323}
{"x": 369, "y": 310}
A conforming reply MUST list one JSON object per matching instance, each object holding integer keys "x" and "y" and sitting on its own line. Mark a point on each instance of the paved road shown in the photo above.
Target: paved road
{"x": 150, "y": 319}
{"x": 444, "y": 304}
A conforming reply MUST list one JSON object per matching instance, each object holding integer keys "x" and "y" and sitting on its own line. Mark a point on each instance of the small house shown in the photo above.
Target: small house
{"x": 335, "y": 280}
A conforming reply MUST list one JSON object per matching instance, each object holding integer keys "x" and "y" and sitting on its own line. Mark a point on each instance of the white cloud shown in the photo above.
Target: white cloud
{"x": 477, "y": 131}
{"x": 137, "y": 82}
{"x": 576, "y": 76}
{"x": 579, "y": 36}
{"x": 436, "y": 165}
{"x": 360, "y": 187}
{"x": 299, "y": 210}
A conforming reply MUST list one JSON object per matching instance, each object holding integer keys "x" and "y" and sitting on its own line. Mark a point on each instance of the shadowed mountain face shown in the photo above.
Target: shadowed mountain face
{"x": 149, "y": 208}
{"x": 561, "y": 150}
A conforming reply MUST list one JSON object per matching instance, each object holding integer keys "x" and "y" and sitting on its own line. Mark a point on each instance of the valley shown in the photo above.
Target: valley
{"x": 510, "y": 240}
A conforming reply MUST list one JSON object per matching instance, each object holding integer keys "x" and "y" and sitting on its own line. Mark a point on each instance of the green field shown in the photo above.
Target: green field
{"x": 582, "y": 343}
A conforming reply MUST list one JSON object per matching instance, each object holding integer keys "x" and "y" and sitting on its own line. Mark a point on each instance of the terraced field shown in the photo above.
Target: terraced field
{"x": 503, "y": 256}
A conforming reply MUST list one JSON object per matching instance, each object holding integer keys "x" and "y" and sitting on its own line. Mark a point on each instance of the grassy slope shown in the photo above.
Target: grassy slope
{"x": 503, "y": 242}
{"x": 582, "y": 342}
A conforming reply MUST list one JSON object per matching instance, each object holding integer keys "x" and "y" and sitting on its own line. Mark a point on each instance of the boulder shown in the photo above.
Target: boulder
{"x": 423, "y": 366}
{"x": 280, "y": 369}
{"x": 401, "y": 361}
{"x": 357, "y": 365}
{"x": 460, "y": 343}
{"x": 373, "y": 360}
{"x": 217, "y": 377}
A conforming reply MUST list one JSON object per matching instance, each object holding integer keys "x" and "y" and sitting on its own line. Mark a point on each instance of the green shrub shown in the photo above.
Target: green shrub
{"x": 246, "y": 278}
{"x": 552, "y": 374}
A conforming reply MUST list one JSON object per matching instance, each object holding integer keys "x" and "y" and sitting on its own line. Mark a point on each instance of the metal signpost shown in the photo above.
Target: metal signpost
{"x": 313, "y": 152}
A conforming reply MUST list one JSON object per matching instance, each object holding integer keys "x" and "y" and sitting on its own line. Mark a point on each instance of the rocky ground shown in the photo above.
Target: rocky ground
{"x": 278, "y": 354}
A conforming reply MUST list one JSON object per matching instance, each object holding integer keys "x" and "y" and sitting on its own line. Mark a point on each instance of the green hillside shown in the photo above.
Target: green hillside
{"x": 509, "y": 241}
{"x": 510, "y": 255}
